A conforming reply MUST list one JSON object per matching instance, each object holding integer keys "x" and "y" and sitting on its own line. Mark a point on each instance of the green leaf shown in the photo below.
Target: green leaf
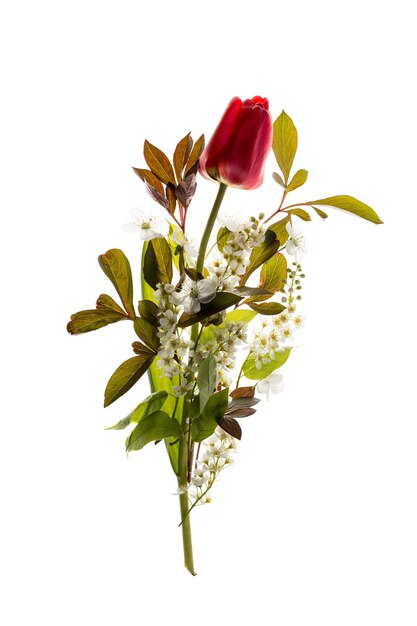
{"x": 158, "y": 163}
{"x": 205, "y": 424}
{"x": 147, "y": 176}
{"x": 253, "y": 291}
{"x": 158, "y": 262}
{"x": 126, "y": 375}
{"x": 206, "y": 379}
{"x": 221, "y": 301}
{"x": 277, "y": 178}
{"x": 258, "y": 256}
{"x": 222, "y": 237}
{"x": 195, "y": 155}
{"x": 280, "y": 230}
{"x": 350, "y": 204}
{"x": 284, "y": 143}
{"x": 300, "y": 213}
{"x": 267, "y": 308}
{"x": 298, "y": 180}
{"x": 274, "y": 273}
{"x": 153, "y": 428}
{"x": 250, "y": 370}
{"x": 238, "y": 315}
{"x": 322, "y": 214}
{"x": 147, "y": 332}
{"x": 105, "y": 302}
{"x": 151, "y": 404}
{"x": 93, "y": 319}
{"x": 121, "y": 425}
{"x": 149, "y": 311}
{"x": 181, "y": 155}
{"x": 116, "y": 266}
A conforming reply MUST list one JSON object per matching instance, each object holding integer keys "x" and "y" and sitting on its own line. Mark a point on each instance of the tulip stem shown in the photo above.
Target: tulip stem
{"x": 209, "y": 227}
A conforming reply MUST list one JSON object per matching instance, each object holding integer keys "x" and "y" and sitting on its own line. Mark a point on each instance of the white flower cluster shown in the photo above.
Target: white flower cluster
{"x": 228, "y": 267}
{"x": 275, "y": 335}
{"x": 217, "y": 454}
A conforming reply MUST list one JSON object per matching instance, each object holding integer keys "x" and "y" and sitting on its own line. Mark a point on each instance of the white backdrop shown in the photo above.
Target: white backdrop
{"x": 315, "y": 524}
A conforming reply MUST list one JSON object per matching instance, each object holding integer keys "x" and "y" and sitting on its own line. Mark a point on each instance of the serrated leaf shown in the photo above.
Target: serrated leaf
{"x": 149, "y": 311}
{"x": 277, "y": 178}
{"x": 321, "y": 213}
{"x": 205, "y": 424}
{"x": 149, "y": 405}
{"x": 206, "y": 379}
{"x": 147, "y": 332}
{"x": 253, "y": 373}
{"x": 186, "y": 190}
{"x": 284, "y": 143}
{"x": 105, "y": 302}
{"x": 116, "y": 266}
{"x": 158, "y": 163}
{"x": 231, "y": 427}
{"x": 267, "y": 308}
{"x": 259, "y": 255}
{"x": 147, "y": 176}
{"x": 158, "y": 262}
{"x": 153, "y": 428}
{"x": 220, "y": 302}
{"x": 298, "y": 180}
{"x": 243, "y": 392}
{"x": 195, "y": 154}
{"x": 280, "y": 230}
{"x": 93, "y": 319}
{"x": 181, "y": 154}
{"x": 125, "y": 376}
{"x": 301, "y": 213}
{"x": 350, "y": 204}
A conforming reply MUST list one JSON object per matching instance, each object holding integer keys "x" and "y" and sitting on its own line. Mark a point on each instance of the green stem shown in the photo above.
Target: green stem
{"x": 185, "y": 443}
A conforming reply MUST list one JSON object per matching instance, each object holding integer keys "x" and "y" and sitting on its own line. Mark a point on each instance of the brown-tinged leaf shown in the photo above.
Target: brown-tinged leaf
{"x": 300, "y": 213}
{"x": 147, "y": 332}
{"x": 243, "y": 392}
{"x": 195, "y": 154}
{"x": 242, "y": 403}
{"x": 149, "y": 311}
{"x": 181, "y": 154}
{"x": 116, "y": 266}
{"x": 258, "y": 256}
{"x": 267, "y": 308}
{"x": 158, "y": 197}
{"x": 140, "y": 348}
{"x": 158, "y": 163}
{"x": 350, "y": 204}
{"x": 105, "y": 302}
{"x": 220, "y": 302}
{"x": 186, "y": 190}
{"x": 93, "y": 319}
{"x": 157, "y": 267}
{"x": 231, "y": 426}
{"x": 147, "y": 176}
{"x": 240, "y": 412}
{"x": 172, "y": 200}
{"x": 298, "y": 180}
{"x": 280, "y": 230}
{"x": 193, "y": 274}
{"x": 126, "y": 375}
{"x": 284, "y": 143}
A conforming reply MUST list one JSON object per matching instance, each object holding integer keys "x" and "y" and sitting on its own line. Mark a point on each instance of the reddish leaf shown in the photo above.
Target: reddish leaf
{"x": 195, "y": 154}
{"x": 158, "y": 163}
{"x": 231, "y": 426}
{"x": 181, "y": 154}
{"x": 243, "y": 392}
{"x": 147, "y": 176}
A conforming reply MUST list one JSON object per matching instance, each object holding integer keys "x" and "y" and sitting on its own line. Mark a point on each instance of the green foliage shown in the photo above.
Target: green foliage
{"x": 126, "y": 375}
{"x": 301, "y": 213}
{"x": 117, "y": 268}
{"x": 297, "y": 180}
{"x": 280, "y": 230}
{"x": 273, "y": 275}
{"x": 267, "y": 308}
{"x": 155, "y": 427}
{"x": 250, "y": 370}
{"x": 220, "y": 302}
{"x": 206, "y": 379}
{"x": 259, "y": 255}
{"x": 147, "y": 332}
{"x": 238, "y": 315}
{"x": 157, "y": 267}
{"x": 106, "y": 303}
{"x": 284, "y": 143}
{"x": 350, "y": 204}
{"x": 277, "y": 178}
{"x": 93, "y": 319}
{"x": 222, "y": 237}
{"x": 148, "y": 310}
{"x": 205, "y": 424}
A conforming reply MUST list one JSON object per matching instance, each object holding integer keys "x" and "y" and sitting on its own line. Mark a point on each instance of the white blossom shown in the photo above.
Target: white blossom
{"x": 296, "y": 244}
{"x": 271, "y": 386}
{"x": 195, "y": 293}
{"x": 147, "y": 223}
{"x": 186, "y": 242}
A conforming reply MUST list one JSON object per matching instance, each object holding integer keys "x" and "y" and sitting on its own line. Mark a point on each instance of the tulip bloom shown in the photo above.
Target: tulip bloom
{"x": 236, "y": 153}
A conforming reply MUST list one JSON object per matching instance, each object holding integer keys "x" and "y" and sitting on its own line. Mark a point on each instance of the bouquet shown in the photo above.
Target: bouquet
{"x": 207, "y": 368}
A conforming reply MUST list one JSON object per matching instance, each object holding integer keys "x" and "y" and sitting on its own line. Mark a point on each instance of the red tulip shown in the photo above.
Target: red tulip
{"x": 236, "y": 153}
